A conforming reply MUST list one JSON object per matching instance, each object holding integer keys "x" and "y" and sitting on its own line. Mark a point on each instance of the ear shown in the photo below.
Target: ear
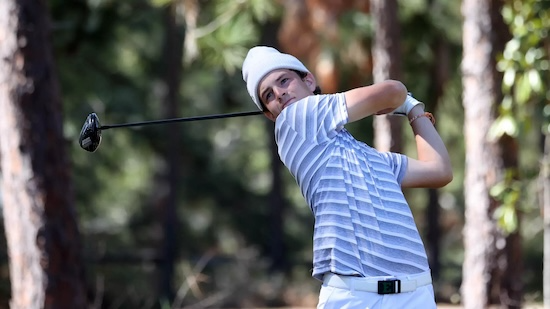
{"x": 269, "y": 115}
{"x": 310, "y": 81}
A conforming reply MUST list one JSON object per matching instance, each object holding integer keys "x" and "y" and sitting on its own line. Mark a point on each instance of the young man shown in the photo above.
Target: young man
{"x": 367, "y": 250}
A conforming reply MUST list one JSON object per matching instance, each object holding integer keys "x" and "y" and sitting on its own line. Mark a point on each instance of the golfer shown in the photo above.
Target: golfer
{"x": 367, "y": 251}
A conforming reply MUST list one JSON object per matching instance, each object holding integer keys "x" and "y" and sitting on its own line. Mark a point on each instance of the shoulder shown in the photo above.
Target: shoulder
{"x": 315, "y": 106}
{"x": 316, "y": 117}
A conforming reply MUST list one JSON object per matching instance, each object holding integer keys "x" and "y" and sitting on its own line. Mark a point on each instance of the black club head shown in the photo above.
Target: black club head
{"x": 90, "y": 135}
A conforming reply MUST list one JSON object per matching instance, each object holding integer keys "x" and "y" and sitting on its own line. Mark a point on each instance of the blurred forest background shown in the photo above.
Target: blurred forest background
{"x": 203, "y": 214}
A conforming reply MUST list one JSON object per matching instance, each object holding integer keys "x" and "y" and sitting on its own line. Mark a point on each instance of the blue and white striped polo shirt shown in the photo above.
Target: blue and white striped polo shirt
{"x": 363, "y": 224}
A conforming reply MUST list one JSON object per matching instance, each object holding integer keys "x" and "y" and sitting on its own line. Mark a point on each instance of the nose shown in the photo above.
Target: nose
{"x": 280, "y": 93}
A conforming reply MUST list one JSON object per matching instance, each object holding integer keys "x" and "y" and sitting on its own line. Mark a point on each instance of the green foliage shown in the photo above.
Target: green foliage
{"x": 226, "y": 46}
{"x": 426, "y": 27}
{"x": 160, "y": 3}
{"x": 525, "y": 67}
{"x": 110, "y": 61}
{"x": 524, "y": 63}
{"x": 508, "y": 192}
{"x": 230, "y": 28}
{"x": 439, "y": 17}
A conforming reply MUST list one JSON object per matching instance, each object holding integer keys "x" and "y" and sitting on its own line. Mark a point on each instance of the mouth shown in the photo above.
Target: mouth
{"x": 287, "y": 103}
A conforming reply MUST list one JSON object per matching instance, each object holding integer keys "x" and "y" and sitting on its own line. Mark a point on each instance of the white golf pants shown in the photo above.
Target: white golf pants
{"x": 337, "y": 293}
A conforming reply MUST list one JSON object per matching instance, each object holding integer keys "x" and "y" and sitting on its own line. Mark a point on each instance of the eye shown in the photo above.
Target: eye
{"x": 284, "y": 80}
{"x": 268, "y": 96}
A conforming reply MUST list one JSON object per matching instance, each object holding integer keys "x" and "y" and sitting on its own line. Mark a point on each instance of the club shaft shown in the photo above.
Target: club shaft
{"x": 164, "y": 121}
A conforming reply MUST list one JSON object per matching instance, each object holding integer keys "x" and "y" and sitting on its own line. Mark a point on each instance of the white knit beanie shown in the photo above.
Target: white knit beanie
{"x": 260, "y": 61}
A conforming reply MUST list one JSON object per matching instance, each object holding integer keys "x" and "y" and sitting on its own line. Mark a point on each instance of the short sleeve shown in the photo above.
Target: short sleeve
{"x": 398, "y": 163}
{"x": 315, "y": 118}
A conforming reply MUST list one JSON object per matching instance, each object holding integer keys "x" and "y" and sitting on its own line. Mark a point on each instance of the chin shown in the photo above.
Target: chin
{"x": 289, "y": 104}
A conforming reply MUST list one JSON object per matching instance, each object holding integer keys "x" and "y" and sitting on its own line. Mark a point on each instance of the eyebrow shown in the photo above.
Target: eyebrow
{"x": 268, "y": 88}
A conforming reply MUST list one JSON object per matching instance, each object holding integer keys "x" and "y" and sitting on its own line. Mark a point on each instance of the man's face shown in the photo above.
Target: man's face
{"x": 283, "y": 87}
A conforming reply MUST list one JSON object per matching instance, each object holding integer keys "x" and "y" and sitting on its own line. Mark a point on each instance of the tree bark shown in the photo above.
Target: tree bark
{"x": 483, "y": 160}
{"x": 439, "y": 77}
{"x": 545, "y": 201}
{"x": 167, "y": 212}
{"x": 510, "y": 265}
{"x": 277, "y": 202}
{"x": 386, "y": 52}
{"x": 44, "y": 243}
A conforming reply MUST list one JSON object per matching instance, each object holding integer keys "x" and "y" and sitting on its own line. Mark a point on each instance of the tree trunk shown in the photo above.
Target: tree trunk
{"x": 277, "y": 202}
{"x": 509, "y": 289}
{"x": 545, "y": 201}
{"x": 483, "y": 166}
{"x": 386, "y": 52}
{"x": 44, "y": 243}
{"x": 439, "y": 77}
{"x": 277, "y": 207}
{"x": 510, "y": 264}
{"x": 168, "y": 220}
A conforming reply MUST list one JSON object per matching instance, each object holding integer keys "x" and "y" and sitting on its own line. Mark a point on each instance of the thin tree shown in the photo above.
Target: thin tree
{"x": 277, "y": 202}
{"x": 484, "y": 158}
{"x": 386, "y": 53}
{"x": 44, "y": 243}
{"x": 545, "y": 200}
{"x": 439, "y": 76}
{"x": 172, "y": 68}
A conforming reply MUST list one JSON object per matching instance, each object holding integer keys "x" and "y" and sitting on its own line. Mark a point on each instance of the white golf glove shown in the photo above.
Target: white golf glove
{"x": 406, "y": 107}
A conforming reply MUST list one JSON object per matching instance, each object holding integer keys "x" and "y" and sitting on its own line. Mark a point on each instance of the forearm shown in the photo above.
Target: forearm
{"x": 431, "y": 151}
{"x": 369, "y": 100}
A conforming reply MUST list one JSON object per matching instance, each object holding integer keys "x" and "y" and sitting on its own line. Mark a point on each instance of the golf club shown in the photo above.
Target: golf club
{"x": 90, "y": 135}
